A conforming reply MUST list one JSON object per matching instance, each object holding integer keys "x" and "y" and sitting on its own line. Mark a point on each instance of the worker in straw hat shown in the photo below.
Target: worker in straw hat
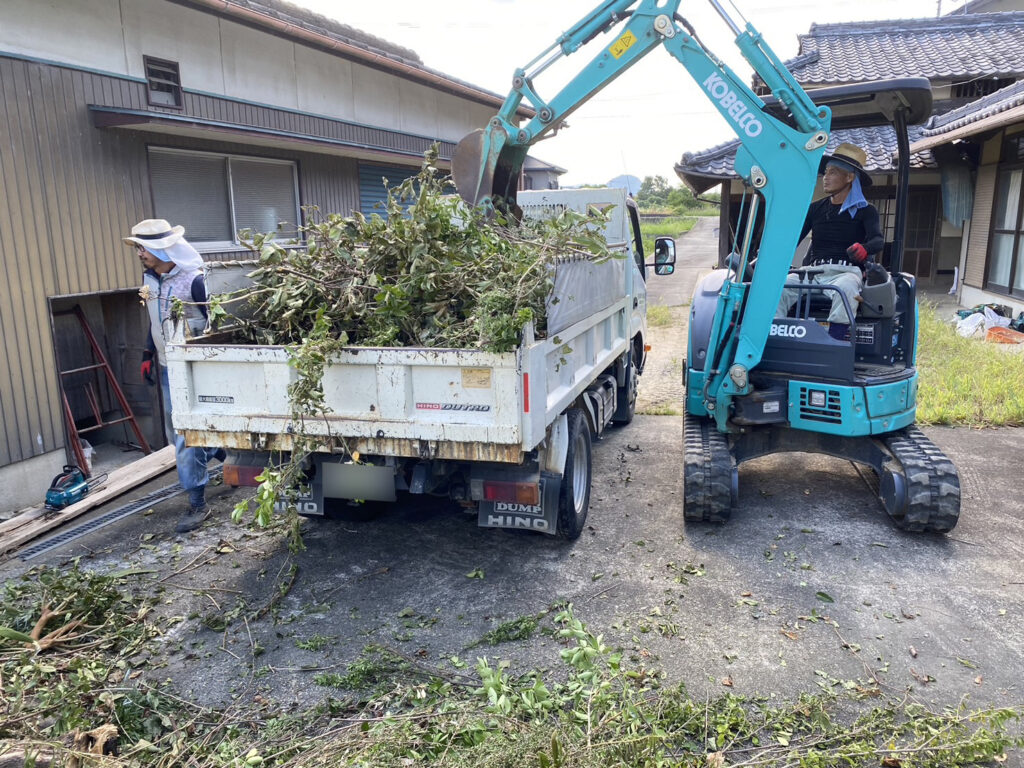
{"x": 845, "y": 233}
{"x": 173, "y": 269}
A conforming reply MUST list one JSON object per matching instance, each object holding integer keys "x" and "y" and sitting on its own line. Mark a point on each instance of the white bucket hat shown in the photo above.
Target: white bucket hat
{"x": 155, "y": 233}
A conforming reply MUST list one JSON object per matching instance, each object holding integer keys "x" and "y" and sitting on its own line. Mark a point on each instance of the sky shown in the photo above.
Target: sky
{"x": 642, "y": 123}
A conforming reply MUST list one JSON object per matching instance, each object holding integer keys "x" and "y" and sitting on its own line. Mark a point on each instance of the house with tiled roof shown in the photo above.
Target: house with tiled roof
{"x": 965, "y": 56}
{"x": 982, "y": 144}
{"x": 218, "y": 115}
{"x": 540, "y": 174}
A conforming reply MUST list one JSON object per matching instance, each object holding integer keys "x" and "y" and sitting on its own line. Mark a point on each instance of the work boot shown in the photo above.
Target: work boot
{"x": 192, "y": 518}
{"x": 839, "y": 331}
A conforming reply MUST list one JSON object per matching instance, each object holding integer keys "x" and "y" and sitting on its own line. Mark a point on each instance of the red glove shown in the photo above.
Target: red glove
{"x": 857, "y": 253}
{"x": 146, "y": 370}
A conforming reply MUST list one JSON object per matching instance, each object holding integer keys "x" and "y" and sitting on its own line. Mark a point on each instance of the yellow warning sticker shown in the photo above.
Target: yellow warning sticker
{"x": 622, "y": 45}
{"x": 476, "y": 378}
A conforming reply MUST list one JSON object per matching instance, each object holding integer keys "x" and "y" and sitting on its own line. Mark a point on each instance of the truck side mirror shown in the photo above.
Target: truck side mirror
{"x": 664, "y": 255}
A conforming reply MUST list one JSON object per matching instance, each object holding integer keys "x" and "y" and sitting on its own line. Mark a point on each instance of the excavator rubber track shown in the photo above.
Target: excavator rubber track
{"x": 931, "y": 493}
{"x": 709, "y": 473}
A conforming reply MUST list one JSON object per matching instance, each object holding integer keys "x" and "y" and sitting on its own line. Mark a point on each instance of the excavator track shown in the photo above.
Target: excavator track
{"x": 929, "y": 499}
{"x": 709, "y": 473}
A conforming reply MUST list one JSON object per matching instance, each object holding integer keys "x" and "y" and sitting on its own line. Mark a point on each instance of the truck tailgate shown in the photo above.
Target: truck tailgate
{"x": 440, "y": 403}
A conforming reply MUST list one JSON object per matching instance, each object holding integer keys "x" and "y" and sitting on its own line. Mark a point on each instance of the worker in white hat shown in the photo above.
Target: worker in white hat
{"x": 173, "y": 270}
{"x": 845, "y": 233}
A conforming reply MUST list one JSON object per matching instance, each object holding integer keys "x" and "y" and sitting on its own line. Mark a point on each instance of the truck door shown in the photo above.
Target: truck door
{"x": 638, "y": 277}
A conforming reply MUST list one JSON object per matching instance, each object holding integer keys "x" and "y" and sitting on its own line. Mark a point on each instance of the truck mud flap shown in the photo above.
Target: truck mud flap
{"x": 542, "y": 517}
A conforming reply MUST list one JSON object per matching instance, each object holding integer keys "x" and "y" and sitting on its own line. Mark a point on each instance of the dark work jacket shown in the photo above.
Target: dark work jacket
{"x": 832, "y": 233}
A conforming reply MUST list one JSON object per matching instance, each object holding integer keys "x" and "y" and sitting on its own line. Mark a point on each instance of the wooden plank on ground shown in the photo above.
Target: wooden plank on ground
{"x": 24, "y": 517}
{"x": 120, "y": 480}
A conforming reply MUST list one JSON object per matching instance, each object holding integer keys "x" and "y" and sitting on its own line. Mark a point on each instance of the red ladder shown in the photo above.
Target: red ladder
{"x": 92, "y": 396}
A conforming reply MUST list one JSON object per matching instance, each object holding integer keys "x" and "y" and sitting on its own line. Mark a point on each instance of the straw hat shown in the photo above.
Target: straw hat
{"x": 155, "y": 233}
{"x": 850, "y": 158}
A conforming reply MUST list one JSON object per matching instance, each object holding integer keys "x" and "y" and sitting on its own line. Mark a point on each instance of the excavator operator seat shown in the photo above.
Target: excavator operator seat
{"x": 878, "y": 294}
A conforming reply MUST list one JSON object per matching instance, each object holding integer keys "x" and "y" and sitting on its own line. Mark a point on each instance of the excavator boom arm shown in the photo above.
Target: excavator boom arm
{"x": 778, "y": 158}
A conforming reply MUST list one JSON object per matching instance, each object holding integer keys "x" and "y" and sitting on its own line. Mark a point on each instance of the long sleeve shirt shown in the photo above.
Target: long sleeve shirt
{"x": 833, "y": 232}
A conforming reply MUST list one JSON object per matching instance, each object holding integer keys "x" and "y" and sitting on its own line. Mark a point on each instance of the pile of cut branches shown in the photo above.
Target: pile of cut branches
{"x": 432, "y": 272}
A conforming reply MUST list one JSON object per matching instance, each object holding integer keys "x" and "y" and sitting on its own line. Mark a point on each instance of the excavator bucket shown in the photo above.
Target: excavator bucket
{"x": 486, "y": 167}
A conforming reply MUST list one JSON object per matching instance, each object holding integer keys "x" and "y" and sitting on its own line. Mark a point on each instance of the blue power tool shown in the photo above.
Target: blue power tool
{"x": 69, "y": 487}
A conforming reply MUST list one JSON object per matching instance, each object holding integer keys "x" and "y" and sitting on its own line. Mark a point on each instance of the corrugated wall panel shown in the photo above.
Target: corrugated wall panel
{"x": 62, "y": 237}
{"x": 11, "y": 424}
{"x": 71, "y": 180}
{"x": 32, "y": 393}
{"x": 69, "y": 192}
{"x": 329, "y": 183}
{"x": 981, "y": 222}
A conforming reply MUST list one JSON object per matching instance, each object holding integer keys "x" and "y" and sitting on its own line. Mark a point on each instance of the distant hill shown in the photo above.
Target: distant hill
{"x": 629, "y": 183}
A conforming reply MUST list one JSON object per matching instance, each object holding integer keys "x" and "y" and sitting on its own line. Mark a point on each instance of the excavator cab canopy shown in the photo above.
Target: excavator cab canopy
{"x": 862, "y": 105}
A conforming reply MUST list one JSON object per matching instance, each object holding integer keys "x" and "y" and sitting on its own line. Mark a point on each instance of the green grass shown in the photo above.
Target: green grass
{"x": 662, "y": 409}
{"x": 668, "y": 227}
{"x": 659, "y": 315}
{"x": 967, "y": 382}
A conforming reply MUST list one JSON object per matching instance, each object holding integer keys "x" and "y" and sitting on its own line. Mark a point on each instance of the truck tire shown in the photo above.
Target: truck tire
{"x": 626, "y": 397}
{"x": 574, "y": 495}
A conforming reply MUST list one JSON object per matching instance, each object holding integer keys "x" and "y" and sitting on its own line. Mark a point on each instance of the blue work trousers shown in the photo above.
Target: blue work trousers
{"x": 191, "y": 462}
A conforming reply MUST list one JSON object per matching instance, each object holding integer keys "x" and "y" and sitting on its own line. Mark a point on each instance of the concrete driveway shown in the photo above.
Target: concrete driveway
{"x": 696, "y": 254}
{"x": 808, "y": 586}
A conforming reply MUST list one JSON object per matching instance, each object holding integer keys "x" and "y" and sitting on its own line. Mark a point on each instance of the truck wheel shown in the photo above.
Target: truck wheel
{"x": 626, "y": 396}
{"x": 574, "y": 496}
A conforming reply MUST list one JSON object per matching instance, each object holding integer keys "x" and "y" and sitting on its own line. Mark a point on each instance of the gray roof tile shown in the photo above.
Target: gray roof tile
{"x": 315, "y": 22}
{"x": 949, "y": 47}
{"x": 1006, "y": 98}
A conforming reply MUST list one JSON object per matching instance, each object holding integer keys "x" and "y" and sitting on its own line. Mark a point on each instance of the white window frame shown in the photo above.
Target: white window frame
{"x": 217, "y": 246}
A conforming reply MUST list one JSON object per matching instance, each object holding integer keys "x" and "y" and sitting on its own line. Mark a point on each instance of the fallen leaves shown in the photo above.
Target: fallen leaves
{"x": 923, "y": 679}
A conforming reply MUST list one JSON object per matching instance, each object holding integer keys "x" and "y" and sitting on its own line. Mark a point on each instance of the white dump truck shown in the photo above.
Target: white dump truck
{"x": 507, "y": 435}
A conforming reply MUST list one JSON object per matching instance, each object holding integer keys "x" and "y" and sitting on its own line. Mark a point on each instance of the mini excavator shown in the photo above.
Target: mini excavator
{"x": 757, "y": 384}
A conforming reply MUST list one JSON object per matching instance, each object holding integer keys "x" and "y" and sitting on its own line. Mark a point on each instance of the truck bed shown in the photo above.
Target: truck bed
{"x": 415, "y": 402}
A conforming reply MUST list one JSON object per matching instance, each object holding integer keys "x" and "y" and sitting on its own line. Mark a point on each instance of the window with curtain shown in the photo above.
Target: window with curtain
{"x": 1004, "y": 272}
{"x": 215, "y": 196}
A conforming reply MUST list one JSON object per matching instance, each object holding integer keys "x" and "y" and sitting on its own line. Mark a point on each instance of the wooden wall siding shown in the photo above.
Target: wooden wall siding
{"x": 71, "y": 191}
{"x": 981, "y": 222}
{"x": 214, "y": 108}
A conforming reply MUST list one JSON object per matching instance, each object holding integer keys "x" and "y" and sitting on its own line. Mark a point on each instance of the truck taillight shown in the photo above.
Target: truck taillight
{"x": 518, "y": 493}
{"x": 238, "y": 475}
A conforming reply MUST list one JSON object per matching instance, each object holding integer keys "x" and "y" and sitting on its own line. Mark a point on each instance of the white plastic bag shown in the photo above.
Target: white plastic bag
{"x": 971, "y": 325}
{"x": 992, "y": 320}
